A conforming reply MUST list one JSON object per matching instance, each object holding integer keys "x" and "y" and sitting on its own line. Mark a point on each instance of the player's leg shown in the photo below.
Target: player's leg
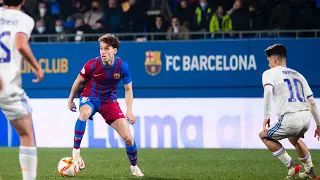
{"x": 305, "y": 157}
{"x": 303, "y": 118}
{"x": 28, "y": 151}
{"x": 18, "y": 112}
{"x": 80, "y": 126}
{"x": 271, "y": 140}
{"x": 86, "y": 111}
{"x": 122, "y": 128}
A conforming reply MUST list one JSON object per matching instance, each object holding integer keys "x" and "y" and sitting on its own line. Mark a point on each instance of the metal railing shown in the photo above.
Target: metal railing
{"x": 164, "y": 36}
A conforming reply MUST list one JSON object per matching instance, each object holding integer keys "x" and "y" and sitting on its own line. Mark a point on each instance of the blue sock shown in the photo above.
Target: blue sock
{"x": 79, "y": 129}
{"x": 132, "y": 154}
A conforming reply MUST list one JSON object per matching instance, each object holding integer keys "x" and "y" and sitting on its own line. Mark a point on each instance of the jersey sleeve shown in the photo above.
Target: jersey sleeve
{"x": 126, "y": 76}
{"x": 26, "y": 25}
{"x": 267, "y": 78}
{"x": 306, "y": 88}
{"x": 86, "y": 71}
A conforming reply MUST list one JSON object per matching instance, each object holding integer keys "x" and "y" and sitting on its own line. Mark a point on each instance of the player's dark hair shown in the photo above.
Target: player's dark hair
{"x": 12, "y": 2}
{"x": 110, "y": 40}
{"x": 277, "y": 49}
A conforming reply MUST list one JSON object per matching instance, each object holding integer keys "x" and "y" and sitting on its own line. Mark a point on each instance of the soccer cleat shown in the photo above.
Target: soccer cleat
{"x": 79, "y": 160}
{"x": 136, "y": 171}
{"x": 76, "y": 156}
{"x": 308, "y": 175}
{"x": 293, "y": 170}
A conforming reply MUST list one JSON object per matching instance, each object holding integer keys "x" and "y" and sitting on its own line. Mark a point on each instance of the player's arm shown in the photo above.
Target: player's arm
{"x": 126, "y": 78}
{"x": 85, "y": 74}
{"x": 268, "y": 83}
{"x": 128, "y": 96}
{"x": 22, "y": 45}
{"x": 0, "y": 84}
{"x": 314, "y": 110}
{"x": 310, "y": 99}
{"x": 267, "y": 97}
{"x": 76, "y": 87}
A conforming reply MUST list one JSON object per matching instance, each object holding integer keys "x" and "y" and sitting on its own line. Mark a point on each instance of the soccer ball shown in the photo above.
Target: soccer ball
{"x": 68, "y": 167}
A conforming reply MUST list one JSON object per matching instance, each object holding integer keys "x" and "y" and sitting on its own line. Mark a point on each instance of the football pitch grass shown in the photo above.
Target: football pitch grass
{"x": 158, "y": 164}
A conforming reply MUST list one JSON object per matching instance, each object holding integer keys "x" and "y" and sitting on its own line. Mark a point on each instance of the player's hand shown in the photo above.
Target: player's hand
{"x": 317, "y": 133}
{"x": 0, "y": 84}
{"x": 39, "y": 74}
{"x": 131, "y": 118}
{"x": 266, "y": 123}
{"x": 72, "y": 106}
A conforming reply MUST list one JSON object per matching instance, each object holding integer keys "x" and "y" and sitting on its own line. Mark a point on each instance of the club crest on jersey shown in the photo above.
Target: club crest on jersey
{"x": 84, "y": 99}
{"x": 116, "y": 76}
{"x": 153, "y": 62}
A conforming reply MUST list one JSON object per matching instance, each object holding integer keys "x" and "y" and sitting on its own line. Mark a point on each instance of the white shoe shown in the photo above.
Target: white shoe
{"x": 293, "y": 170}
{"x": 76, "y": 156}
{"x": 136, "y": 171}
{"x": 308, "y": 175}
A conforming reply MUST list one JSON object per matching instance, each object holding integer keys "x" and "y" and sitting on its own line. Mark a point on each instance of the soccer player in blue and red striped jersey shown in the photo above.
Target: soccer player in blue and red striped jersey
{"x": 101, "y": 75}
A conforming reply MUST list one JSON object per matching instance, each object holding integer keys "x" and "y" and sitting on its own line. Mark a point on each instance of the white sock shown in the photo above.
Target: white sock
{"x": 75, "y": 152}
{"x": 307, "y": 162}
{"x": 283, "y": 156}
{"x": 28, "y": 162}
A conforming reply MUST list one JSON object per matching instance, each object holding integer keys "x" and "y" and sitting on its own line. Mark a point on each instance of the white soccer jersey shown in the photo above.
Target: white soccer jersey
{"x": 12, "y": 22}
{"x": 290, "y": 89}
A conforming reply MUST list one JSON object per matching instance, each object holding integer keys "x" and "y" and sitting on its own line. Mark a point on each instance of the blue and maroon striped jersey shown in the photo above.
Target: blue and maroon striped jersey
{"x": 103, "y": 80}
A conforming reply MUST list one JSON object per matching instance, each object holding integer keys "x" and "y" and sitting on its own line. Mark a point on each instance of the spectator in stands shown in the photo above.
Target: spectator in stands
{"x": 81, "y": 29}
{"x": 78, "y": 9}
{"x": 30, "y": 6}
{"x": 239, "y": 16}
{"x": 112, "y": 16}
{"x": 280, "y": 15}
{"x": 203, "y": 14}
{"x": 185, "y": 13}
{"x": 41, "y": 29}
{"x": 61, "y": 32}
{"x": 94, "y": 14}
{"x": 162, "y": 8}
{"x": 158, "y": 27}
{"x": 220, "y": 21}
{"x": 191, "y": 3}
{"x": 307, "y": 16}
{"x": 99, "y": 29}
{"x": 54, "y": 9}
{"x": 254, "y": 18}
{"x": 177, "y": 31}
{"x": 43, "y": 13}
{"x": 132, "y": 19}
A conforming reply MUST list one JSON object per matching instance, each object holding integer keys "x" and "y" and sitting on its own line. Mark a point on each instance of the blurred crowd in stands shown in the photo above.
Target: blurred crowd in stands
{"x": 175, "y": 18}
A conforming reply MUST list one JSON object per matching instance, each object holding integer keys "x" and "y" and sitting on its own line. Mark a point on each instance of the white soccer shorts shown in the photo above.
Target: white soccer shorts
{"x": 15, "y": 106}
{"x": 290, "y": 125}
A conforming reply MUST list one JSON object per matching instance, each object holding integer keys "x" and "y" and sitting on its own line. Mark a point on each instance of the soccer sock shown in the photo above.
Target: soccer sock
{"x": 28, "y": 162}
{"x": 132, "y": 154}
{"x": 283, "y": 156}
{"x": 79, "y": 129}
{"x": 307, "y": 162}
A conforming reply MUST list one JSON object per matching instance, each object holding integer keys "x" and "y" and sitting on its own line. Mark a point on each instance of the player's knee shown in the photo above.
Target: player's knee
{"x": 262, "y": 135}
{"x": 128, "y": 139}
{"x": 294, "y": 141}
{"x": 85, "y": 114}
